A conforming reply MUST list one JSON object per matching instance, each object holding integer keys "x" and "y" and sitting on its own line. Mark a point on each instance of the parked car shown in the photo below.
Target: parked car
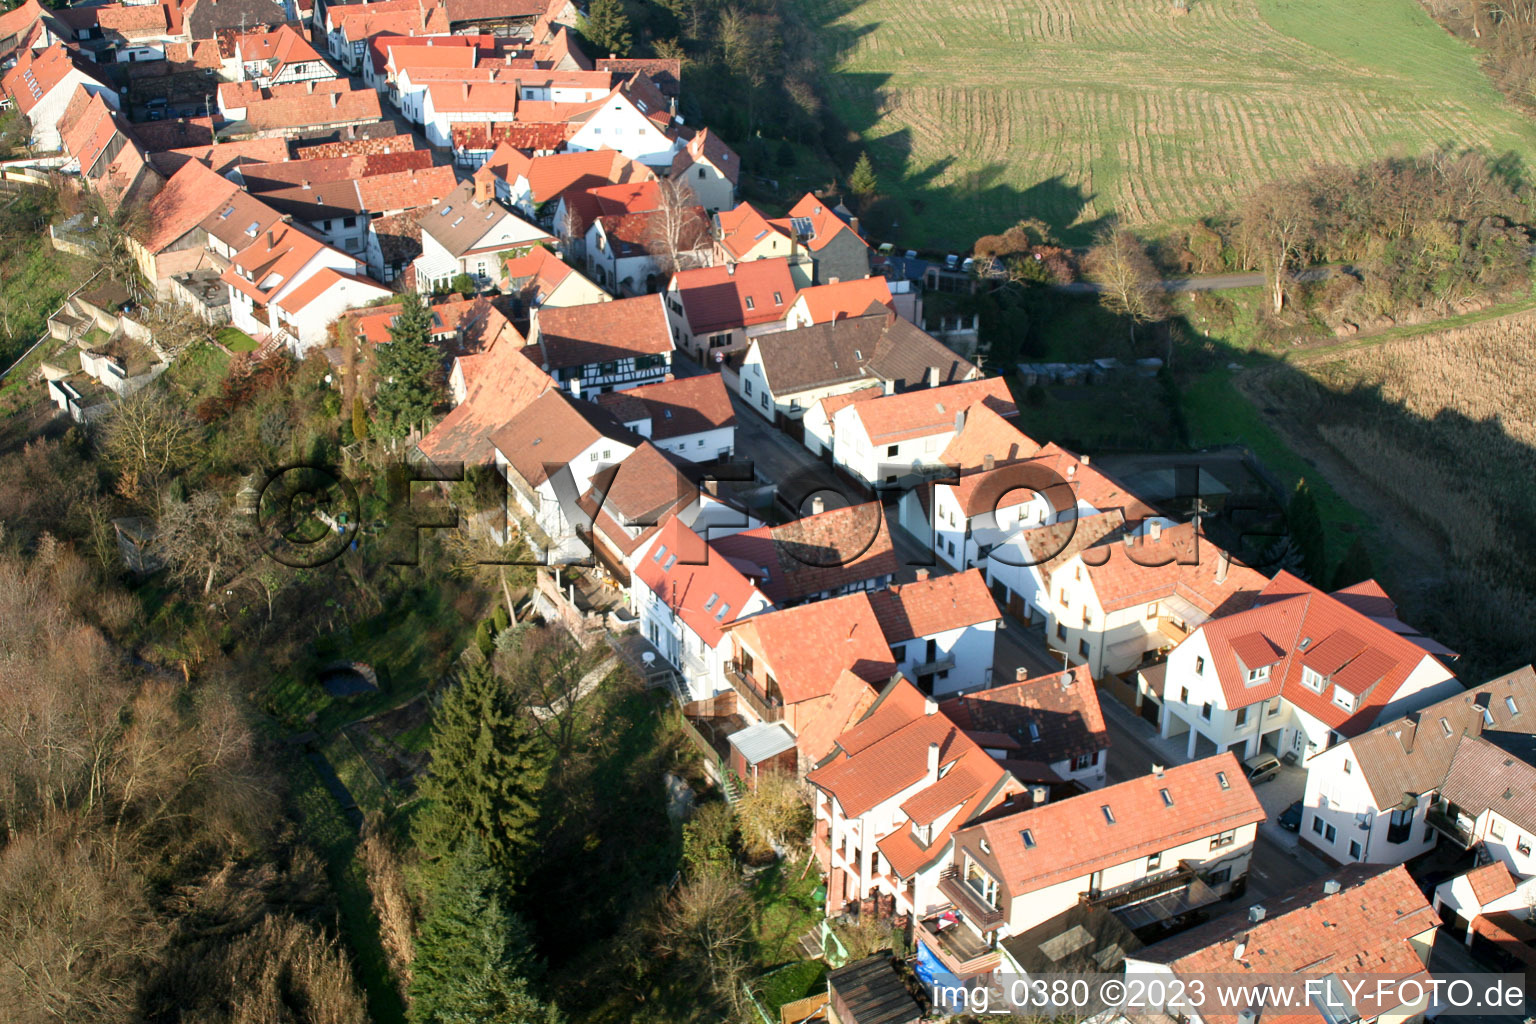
{"x": 1261, "y": 768}
{"x": 1290, "y": 818}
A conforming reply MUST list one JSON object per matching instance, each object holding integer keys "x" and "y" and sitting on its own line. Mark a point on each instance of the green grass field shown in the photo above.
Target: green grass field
{"x": 978, "y": 114}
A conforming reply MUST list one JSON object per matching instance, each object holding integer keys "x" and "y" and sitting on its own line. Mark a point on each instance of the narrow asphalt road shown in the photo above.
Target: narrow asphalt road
{"x": 1207, "y": 283}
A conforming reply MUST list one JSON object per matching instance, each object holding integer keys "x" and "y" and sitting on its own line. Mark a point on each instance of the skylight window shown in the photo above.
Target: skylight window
{"x": 255, "y": 227}
{"x": 660, "y": 551}
{"x": 778, "y": 300}
{"x": 1029, "y": 839}
{"x": 1109, "y": 815}
{"x": 1221, "y": 780}
{"x": 445, "y": 211}
{"x": 711, "y": 602}
{"x": 750, "y": 304}
{"x": 671, "y": 561}
{"x": 1445, "y": 727}
{"x": 224, "y": 214}
{"x": 725, "y": 609}
{"x": 1509, "y": 702}
{"x": 1034, "y": 732}
{"x": 1167, "y": 798}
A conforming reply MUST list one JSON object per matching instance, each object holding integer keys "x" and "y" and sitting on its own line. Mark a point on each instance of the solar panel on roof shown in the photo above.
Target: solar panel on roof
{"x": 801, "y": 226}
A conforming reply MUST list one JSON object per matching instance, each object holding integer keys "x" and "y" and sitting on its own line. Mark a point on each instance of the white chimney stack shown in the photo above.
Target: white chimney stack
{"x": 818, "y": 505}
{"x": 1155, "y": 529}
{"x": 931, "y": 707}
{"x": 1223, "y": 563}
{"x": 933, "y": 762}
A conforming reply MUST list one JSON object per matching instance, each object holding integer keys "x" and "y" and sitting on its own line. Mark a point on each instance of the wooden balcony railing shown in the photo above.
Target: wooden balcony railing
{"x": 767, "y": 707}
{"x": 977, "y": 910}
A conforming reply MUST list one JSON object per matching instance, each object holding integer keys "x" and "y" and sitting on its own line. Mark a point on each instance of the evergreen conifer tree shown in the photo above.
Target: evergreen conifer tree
{"x": 409, "y": 369}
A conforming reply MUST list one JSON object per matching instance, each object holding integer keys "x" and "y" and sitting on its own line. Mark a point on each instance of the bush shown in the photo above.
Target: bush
{"x": 500, "y": 620}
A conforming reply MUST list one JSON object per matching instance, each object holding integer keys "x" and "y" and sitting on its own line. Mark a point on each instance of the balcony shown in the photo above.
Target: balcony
{"x": 928, "y": 668}
{"x": 1141, "y": 891}
{"x": 977, "y": 910}
{"x": 1172, "y": 628}
{"x": 767, "y": 707}
{"x": 959, "y": 948}
{"x": 1450, "y": 822}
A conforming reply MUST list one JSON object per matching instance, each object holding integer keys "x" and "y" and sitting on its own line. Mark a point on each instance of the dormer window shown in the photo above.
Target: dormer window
{"x": 1256, "y": 675}
{"x": 1343, "y": 698}
{"x": 1312, "y": 680}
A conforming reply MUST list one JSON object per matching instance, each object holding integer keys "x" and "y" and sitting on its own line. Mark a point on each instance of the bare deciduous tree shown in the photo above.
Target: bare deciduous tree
{"x": 1119, "y": 264}
{"x": 707, "y": 926}
{"x": 677, "y": 228}
{"x": 203, "y": 536}
{"x": 1279, "y": 224}
{"x": 775, "y": 815}
{"x": 148, "y": 437}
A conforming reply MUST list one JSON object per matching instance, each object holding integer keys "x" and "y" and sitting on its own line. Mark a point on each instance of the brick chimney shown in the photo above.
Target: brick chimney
{"x": 484, "y": 188}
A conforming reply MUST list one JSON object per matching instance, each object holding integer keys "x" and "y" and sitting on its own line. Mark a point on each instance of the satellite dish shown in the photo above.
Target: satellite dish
{"x": 719, "y": 356}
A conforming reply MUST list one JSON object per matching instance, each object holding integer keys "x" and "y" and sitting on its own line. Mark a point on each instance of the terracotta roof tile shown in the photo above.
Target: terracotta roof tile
{"x": 1072, "y": 838}
{"x": 630, "y": 502}
{"x": 1364, "y": 928}
{"x": 806, "y": 648}
{"x": 597, "y": 332}
{"x": 1047, "y": 719}
{"x": 1288, "y": 611}
{"x": 743, "y": 228}
{"x": 191, "y": 194}
{"x": 702, "y": 587}
{"x": 1491, "y": 882}
{"x": 517, "y": 134}
{"x": 735, "y": 295}
{"x": 354, "y": 147}
{"x": 687, "y": 405}
{"x": 1179, "y": 562}
{"x": 825, "y": 302}
{"x": 708, "y": 146}
{"x": 501, "y": 383}
{"x": 828, "y": 551}
{"x": 551, "y": 431}
{"x": 928, "y": 411}
{"x": 825, "y": 224}
{"x": 934, "y": 605}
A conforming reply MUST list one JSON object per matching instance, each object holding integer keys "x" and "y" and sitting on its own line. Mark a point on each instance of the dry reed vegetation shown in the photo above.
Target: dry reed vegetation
{"x": 1445, "y": 425}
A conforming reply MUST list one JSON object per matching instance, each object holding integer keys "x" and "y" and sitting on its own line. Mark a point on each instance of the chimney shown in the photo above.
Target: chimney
{"x": 959, "y": 421}
{"x": 730, "y": 270}
{"x": 1223, "y": 563}
{"x": 931, "y": 377}
{"x": 1155, "y": 529}
{"x": 887, "y": 387}
{"x": 818, "y": 505}
{"x": 1256, "y": 913}
{"x": 1039, "y": 795}
{"x": 309, "y": 87}
{"x": 1084, "y": 459}
{"x": 304, "y": 183}
{"x": 853, "y": 222}
{"x": 271, "y": 239}
{"x": 933, "y": 763}
{"x": 1330, "y": 887}
{"x": 922, "y": 575}
{"x": 335, "y": 99}
{"x": 1157, "y": 770}
{"x": 483, "y": 187}
{"x": 1020, "y": 674}
{"x": 931, "y": 707}
{"x": 1071, "y": 471}
{"x": 988, "y": 462}
{"x": 575, "y": 387}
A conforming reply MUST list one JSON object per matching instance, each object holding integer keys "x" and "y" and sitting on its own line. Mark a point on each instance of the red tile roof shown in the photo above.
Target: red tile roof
{"x": 39, "y": 72}
{"x": 272, "y": 260}
{"x": 1046, "y": 719}
{"x": 826, "y": 551}
{"x": 830, "y": 716}
{"x": 1361, "y": 655}
{"x": 935, "y": 605}
{"x": 1365, "y": 928}
{"x": 281, "y": 46}
{"x": 500, "y": 383}
{"x": 551, "y": 431}
{"x": 322, "y": 281}
{"x": 735, "y": 295}
{"x": 701, "y": 587}
{"x": 191, "y": 194}
{"x": 825, "y": 225}
{"x": 888, "y": 752}
{"x": 805, "y": 648}
{"x": 743, "y": 228}
{"x": 640, "y": 494}
{"x": 928, "y": 411}
{"x": 1074, "y": 838}
{"x": 517, "y": 134}
{"x": 405, "y": 190}
{"x": 825, "y": 302}
{"x": 707, "y": 146}
{"x": 1180, "y": 562}
{"x": 354, "y": 147}
{"x": 687, "y": 405}
{"x": 633, "y": 234}
{"x": 296, "y": 106}
{"x": 598, "y": 332}
{"x": 223, "y": 157}
{"x": 538, "y": 265}
{"x": 1490, "y": 882}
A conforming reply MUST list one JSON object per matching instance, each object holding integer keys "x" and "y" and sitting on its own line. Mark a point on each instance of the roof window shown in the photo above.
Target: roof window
{"x": 1029, "y": 839}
